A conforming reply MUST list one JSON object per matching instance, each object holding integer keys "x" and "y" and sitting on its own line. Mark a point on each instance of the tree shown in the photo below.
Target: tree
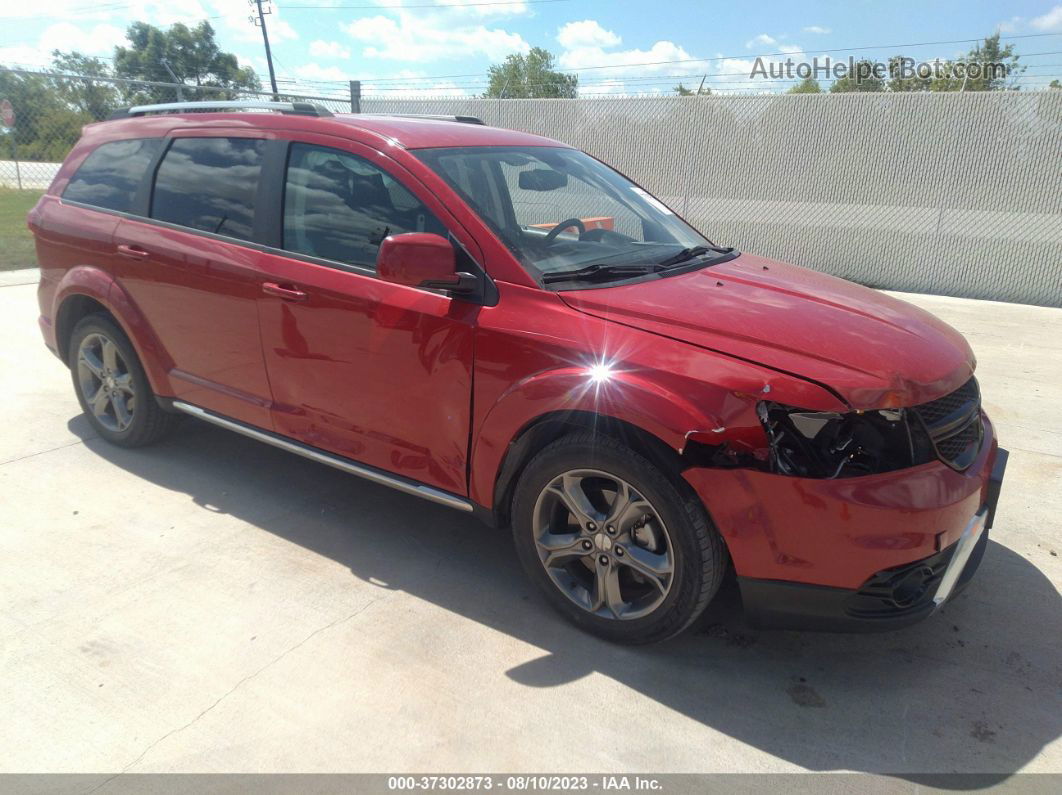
{"x": 522, "y": 76}
{"x": 988, "y": 52}
{"x": 862, "y": 80}
{"x": 1055, "y": 84}
{"x": 702, "y": 90}
{"x": 809, "y": 85}
{"x": 995, "y": 64}
{"x": 192, "y": 54}
{"x": 47, "y": 127}
{"x": 91, "y": 98}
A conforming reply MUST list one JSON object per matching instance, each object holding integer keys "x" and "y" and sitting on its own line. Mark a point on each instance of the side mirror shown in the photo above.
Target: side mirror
{"x": 542, "y": 179}
{"x": 420, "y": 259}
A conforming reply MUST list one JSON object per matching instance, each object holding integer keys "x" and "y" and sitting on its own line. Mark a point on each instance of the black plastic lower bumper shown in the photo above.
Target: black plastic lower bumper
{"x": 891, "y": 599}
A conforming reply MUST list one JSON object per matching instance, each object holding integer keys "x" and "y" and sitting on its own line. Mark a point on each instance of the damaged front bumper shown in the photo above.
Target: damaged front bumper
{"x": 858, "y": 554}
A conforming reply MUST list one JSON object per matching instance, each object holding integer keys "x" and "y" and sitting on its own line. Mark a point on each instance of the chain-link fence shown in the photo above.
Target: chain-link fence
{"x": 949, "y": 193}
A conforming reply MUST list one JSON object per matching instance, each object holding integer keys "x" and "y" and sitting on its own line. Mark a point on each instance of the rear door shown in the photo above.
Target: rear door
{"x": 192, "y": 269}
{"x": 370, "y": 370}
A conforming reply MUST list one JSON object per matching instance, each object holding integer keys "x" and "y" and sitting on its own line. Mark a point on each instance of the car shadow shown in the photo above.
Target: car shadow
{"x": 972, "y": 690}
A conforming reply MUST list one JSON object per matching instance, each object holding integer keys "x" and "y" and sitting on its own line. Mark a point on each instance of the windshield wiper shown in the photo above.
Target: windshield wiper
{"x": 598, "y": 272}
{"x": 692, "y": 253}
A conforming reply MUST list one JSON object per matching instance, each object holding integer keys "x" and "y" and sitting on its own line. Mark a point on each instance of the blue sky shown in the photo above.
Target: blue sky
{"x": 437, "y": 47}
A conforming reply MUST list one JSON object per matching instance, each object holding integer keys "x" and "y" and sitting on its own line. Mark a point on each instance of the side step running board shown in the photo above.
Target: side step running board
{"x": 361, "y": 470}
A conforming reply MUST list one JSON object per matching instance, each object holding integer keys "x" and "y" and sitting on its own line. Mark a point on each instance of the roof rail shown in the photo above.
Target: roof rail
{"x": 294, "y": 108}
{"x": 437, "y": 117}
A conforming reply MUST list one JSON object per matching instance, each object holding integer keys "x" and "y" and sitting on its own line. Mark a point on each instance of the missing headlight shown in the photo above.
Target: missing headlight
{"x": 818, "y": 444}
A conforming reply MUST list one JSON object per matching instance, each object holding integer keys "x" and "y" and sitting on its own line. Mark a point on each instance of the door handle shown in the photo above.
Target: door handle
{"x": 285, "y": 291}
{"x": 133, "y": 252}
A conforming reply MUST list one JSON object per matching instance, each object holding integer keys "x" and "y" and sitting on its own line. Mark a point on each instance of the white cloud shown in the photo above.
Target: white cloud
{"x": 429, "y": 38}
{"x": 328, "y": 49}
{"x": 440, "y": 88}
{"x": 162, "y": 14}
{"x": 312, "y": 71}
{"x": 791, "y": 49}
{"x": 279, "y": 31}
{"x": 43, "y": 9}
{"x": 762, "y": 40}
{"x": 587, "y": 44}
{"x": 477, "y": 8}
{"x": 1010, "y": 25}
{"x": 235, "y": 24}
{"x": 24, "y": 55}
{"x": 100, "y": 39}
{"x": 817, "y": 29}
{"x": 631, "y": 67}
{"x": 1051, "y": 21}
{"x": 587, "y": 33}
{"x": 97, "y": 40}
{"x": 734, "y": 67}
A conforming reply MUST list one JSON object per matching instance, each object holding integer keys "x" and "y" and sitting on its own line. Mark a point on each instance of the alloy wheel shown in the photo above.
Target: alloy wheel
{"x": 603, "y": 544}
{"x": 105, "y": 381}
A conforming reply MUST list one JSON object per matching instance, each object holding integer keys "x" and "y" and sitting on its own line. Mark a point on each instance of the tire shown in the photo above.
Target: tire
{"x": 648, "y": 573}
{"x": 111, "y": 385}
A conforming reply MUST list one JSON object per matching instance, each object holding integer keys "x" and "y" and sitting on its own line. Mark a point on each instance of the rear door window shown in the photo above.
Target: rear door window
{"x": 110, "y": 175}
{"x": 339, "y": 206}
{"x": 209, "y": 184}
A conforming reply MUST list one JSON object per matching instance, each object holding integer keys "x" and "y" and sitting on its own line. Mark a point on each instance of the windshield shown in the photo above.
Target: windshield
{"x": 559, "y": 210}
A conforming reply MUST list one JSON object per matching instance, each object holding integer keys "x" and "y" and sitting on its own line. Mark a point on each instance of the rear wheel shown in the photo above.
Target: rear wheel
{"x": 111, "y": 385}
{"x": 618, "y": 547}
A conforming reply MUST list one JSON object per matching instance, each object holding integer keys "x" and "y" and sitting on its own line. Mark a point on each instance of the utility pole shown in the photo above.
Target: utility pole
{"x": 176, "y": 83}
{"x": 355, "y": 96}
{"x": 259, "y": 19}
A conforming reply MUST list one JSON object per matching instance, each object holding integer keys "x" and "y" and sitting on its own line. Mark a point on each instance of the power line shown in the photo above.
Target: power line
{"x": 746, "y": 56}
{"x": 292, "y": 7}
{"x": 483, "y": 83}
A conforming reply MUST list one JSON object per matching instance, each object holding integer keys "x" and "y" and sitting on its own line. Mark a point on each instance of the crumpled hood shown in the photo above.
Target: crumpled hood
{"x": 861, "y": 343}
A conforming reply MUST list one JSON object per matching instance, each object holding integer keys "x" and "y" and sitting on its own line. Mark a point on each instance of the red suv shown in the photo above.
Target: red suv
{"x": 503, "y": 324}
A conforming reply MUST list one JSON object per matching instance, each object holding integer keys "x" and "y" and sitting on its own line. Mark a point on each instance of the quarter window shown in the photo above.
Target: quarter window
{"x": 209, "y": 184}
{"x": 340, "y": 207}
{"x": 110, "y": 175}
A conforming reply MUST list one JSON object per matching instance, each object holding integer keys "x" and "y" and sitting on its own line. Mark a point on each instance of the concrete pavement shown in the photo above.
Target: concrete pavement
{"x": 214, "y": 605}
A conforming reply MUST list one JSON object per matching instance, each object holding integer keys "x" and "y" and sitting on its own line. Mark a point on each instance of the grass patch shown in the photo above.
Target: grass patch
{"x": 16, "y": 242}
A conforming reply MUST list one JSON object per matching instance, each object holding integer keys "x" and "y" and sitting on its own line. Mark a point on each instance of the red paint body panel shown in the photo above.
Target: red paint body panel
{"x": 840, "y": 532}
{"x": 370, "y": 370}
{"x": 415, "y": 258}
{"x": 533, "y": 354}
{"x": 202, "y": 297}
{"x": 438, "y": 389}
{"x": 864, "y": 344}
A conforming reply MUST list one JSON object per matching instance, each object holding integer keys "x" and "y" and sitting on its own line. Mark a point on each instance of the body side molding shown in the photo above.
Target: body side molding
{"x": 369, "y": 473}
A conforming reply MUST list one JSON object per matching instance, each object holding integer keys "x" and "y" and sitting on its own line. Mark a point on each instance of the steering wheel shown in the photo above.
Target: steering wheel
{"x": 566, "y": 224}
{"x": 606, "y": 236}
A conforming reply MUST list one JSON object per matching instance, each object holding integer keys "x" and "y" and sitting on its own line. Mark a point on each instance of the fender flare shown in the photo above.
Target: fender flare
{"x": 626, "y": 397}
{"x": 95, "y": 283}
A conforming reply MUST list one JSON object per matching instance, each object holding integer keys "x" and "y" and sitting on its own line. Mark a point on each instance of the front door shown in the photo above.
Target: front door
{"x": 373, "y": 371}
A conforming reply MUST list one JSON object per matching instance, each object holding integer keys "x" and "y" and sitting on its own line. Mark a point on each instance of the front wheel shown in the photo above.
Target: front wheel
{"x": 618, "y": 547}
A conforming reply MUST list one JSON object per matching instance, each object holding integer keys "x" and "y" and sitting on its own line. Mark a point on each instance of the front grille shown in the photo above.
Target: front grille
{"x": 963, "y": 400}
{"x": 954, "y": 424}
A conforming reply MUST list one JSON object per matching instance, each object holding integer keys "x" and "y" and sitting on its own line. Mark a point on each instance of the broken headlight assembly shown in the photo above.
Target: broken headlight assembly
{"x": 820, "y": 444}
